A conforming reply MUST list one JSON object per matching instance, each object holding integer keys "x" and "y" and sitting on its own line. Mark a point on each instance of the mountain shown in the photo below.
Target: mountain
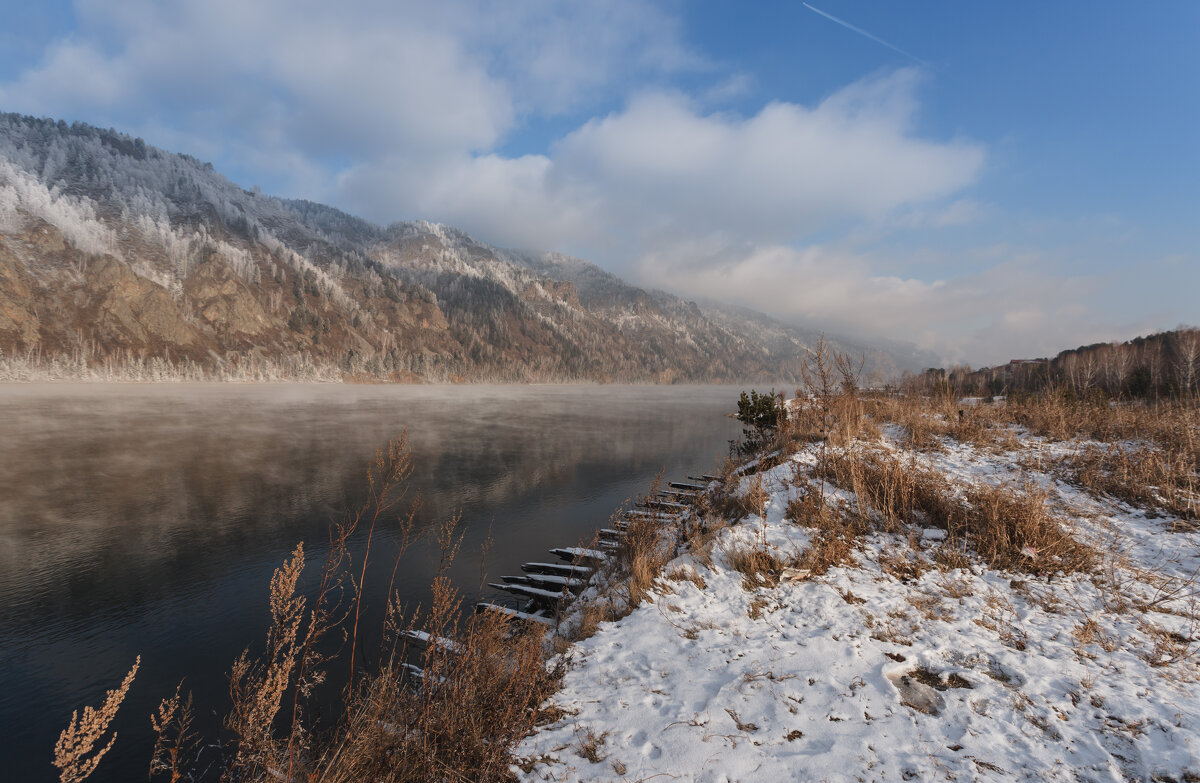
{"x": 121, "y": 260}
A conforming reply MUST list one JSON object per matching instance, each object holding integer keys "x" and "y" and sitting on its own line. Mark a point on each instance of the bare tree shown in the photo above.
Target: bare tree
{"x": 1187, "y": 358}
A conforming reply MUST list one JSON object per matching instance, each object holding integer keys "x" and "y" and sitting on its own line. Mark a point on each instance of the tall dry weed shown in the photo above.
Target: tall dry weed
{"x": 257, "y": 686}
{"x": 758, "y": 565}
{"x": 1143, "y": 476}
{"x": 479, "y": 694}
{"x": 175, "y": 741}
{"x": 892, "y": 491}
{"x": 78, "y": 750}
{"x": 1012, "y": 527}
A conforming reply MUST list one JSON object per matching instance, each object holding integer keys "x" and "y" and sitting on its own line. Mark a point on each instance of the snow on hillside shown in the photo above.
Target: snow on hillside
{"x": 894, "y": 668}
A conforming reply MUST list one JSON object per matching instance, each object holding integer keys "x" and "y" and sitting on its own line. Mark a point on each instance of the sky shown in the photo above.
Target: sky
{"x": 985, "y": 181}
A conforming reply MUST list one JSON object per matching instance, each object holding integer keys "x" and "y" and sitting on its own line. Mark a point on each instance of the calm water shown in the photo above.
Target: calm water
{"x": 148, "y": 519}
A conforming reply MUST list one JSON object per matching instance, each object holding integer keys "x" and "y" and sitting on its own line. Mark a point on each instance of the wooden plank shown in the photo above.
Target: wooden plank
{"x": 659, "y": 516}
{"x": 683, "y": 485}
{"x": 416, "y": 674}
{"x": 678, "y": 493}
{"x": 570, "y": 583}
{"x": 548, "y": 580}
{"x": 663, "y": 504}
{"x": 561, "y": 569}
{"x": 421, "y": 640}
{"x": 527, "y": 591}
{"x": 487, "y": 606}
{"x": 576, "y": 554}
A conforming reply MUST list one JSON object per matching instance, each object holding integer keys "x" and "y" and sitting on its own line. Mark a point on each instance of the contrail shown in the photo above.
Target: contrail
{"x": 863, "y": 32}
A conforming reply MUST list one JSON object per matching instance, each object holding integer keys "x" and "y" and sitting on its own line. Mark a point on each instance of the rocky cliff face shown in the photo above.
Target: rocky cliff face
{"x": 118, "y": 259}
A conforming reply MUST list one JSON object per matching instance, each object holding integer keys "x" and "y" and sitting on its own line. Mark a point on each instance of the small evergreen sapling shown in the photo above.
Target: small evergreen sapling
{"x": 764, "y": 413}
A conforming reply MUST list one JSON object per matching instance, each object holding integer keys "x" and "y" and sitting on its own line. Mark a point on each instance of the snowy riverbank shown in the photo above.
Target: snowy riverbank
{"x": 898, "y": 667}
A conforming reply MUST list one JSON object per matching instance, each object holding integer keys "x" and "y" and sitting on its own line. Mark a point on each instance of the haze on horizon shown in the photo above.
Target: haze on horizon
{"x": 987, "y": 182}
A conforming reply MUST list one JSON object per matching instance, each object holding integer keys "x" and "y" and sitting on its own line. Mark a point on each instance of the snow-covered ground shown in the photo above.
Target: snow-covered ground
{"x": 956, "y": 674}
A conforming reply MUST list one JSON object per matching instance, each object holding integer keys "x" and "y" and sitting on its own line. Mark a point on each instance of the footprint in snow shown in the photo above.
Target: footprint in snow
{"x": 650, "y": 750}
{"x": 912, "y": 692}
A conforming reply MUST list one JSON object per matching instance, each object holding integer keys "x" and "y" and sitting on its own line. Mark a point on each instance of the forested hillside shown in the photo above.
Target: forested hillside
{"x": 120, "y": 260}
{"x": 1166, "y": 364}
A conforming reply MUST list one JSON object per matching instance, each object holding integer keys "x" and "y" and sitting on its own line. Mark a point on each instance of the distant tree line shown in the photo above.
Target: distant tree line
{"x": 1162, "y": 365}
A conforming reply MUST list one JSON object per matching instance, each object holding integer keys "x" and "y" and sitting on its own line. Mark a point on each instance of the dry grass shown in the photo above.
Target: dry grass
{"x": 758, "y": 565}
{"x": 257, "y": 687}
{"x": 726, "y": 503}
{"x": 472, "y": 707}
{"x": 893, "y": 492}
{"x": 1008, "y": 526}
{"x": 479, "y": 695}
{"x": 903, "y": 566}
{"x": 834, "y": 536}
{"x": 591, "y": 614}
{"x": 175, "y": 742}
{"x": 589, "y": 744}
{"x": 1012, "y": 527}
{"x": 756, "y": 608}
{"x": 1001, "y": 617}
{"x": 1089, "y": 632}
{"x": 641, "y": 558}
{"x": 687, "y": 574}
{"x": 1143, "y": 476}
{"x": 78, "y": 751}
{"x": 828, "y": 549}
{"x": 1172, "y": 426}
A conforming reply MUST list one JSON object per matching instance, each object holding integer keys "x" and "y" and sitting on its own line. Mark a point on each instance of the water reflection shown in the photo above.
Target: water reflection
{"x": 147, "y": 519}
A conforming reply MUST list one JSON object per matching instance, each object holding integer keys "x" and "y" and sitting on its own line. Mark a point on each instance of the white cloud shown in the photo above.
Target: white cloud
{"x": 401, "y": 110}
{"x": 660, "y": 172}
{"x": 1020, "y": 305}
{"x": 360, "y": 79}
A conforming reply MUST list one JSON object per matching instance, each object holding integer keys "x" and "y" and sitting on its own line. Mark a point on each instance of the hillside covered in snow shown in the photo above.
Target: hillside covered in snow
{"x": 121, "y": 260}
{"x": 1006, "y": 593}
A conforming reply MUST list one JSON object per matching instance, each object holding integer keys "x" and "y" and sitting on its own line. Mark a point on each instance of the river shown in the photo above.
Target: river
{"x": 147, "y": 519}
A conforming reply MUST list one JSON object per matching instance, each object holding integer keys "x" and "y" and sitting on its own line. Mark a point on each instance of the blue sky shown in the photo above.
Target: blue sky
{"x": 986, "y": 181}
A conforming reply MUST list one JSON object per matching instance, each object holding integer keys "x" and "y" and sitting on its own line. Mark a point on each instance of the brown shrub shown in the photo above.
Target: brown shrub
{"x": 682, "y": 574}
{"x": 1144, "y": 476}
{"x": 477, "y": 697}
{"x": 834, "y": 536}
{"x": 1008, "y": 526}
{"x": 473, "y": 704}
{"x": 902, "y": 565}
{"x": 1012, "y": 527}
{"x": 175, "y": 742}
{"x": 1172, "y": 426}
{"x": 759, "y": 566}
{"x": 828, "y": 549}
{"x": 892, "y": 492}
{"x": 727, "y": 503}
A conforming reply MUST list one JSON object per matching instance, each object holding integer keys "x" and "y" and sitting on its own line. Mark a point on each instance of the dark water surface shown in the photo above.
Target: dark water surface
{"x": 138, "y": 519}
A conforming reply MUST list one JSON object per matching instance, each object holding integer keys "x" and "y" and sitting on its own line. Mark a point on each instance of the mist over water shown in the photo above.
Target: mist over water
{"x": 139, "y": 519}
